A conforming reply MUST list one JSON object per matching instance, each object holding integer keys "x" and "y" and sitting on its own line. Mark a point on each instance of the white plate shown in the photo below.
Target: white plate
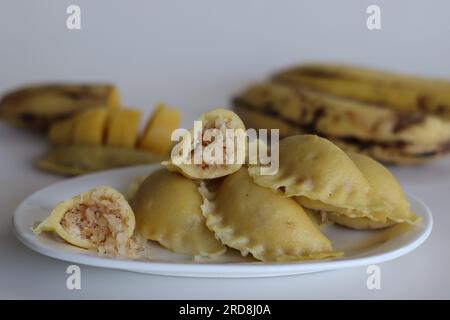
{"x": 360, "y": 247}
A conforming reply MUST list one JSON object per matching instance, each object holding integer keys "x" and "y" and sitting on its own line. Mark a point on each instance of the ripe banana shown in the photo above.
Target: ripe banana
{"x": 89, "y": 127}
{"x": 61, "y": 132}
{"x": 159, "y": 129}
{"x": 123, "y": 127}
{"x": 395, "y": 91}
{"x": 388, "y": 135}
{"x": 38, "y": 106}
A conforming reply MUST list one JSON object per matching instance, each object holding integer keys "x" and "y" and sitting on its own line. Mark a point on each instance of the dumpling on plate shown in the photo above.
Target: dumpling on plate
{"x": 321, "y": 177}
{"x": 100, "y": 219}
{"x": 219, "y": 143}
{"x": 357, "y": 223}
{"x": 262, "y": 222}
{"x": 167, "y": 210}
{"x": 388, "y": 189}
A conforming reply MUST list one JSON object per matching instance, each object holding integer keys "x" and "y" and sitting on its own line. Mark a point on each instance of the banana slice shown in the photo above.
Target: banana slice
{"x": 100, "y": 219}
{"x": 89, "y": 127}
{"x": 61, "y": 132}
{"x": 159, "y": 128}
{"x": 215, "y": 151}
{"x": 123, "y": 128}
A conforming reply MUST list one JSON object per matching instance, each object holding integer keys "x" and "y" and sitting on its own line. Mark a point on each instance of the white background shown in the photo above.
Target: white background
{"x": 196, "y": 55}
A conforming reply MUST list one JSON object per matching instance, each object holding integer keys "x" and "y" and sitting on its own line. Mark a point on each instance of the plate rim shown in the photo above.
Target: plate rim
{"x": 220, "y": 269}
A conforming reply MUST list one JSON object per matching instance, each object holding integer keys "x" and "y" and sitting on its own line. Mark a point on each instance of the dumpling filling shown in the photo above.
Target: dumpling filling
{"x": 217, "y": 134}
{"x": 101, "y": 221}
{"x": 215, "y": 147}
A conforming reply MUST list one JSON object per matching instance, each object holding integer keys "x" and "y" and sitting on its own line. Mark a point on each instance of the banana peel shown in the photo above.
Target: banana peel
{"x": 72, "y": 160}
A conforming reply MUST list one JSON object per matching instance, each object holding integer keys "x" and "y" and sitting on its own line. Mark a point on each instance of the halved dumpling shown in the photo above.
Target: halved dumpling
{"x": 261, "y": 221}
{"x": 321, "y": 177}
{"x": 386, "y": 186}
{"x": 219, "y": 144}
{"x": 100, "y": 219}
{"x": 167, "y": 209}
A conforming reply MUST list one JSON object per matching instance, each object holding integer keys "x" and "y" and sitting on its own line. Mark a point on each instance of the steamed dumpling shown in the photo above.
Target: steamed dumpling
{"x": 358, "y": 223}
{"x": 167, "y": 210}
{"x": 261, "y": 221}
{"x": 387, "y": 188}
{"x": 321, "y": 177}
{"x": 100, "y": 219}
{"x": 206, "y": 167}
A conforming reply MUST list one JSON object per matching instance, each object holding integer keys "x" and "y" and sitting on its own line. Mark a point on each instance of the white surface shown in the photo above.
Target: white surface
{"x": 196, "y": 54}
{"x": 361, "y": 248}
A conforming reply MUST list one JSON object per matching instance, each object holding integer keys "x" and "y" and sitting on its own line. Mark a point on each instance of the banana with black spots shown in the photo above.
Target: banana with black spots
{"x": 39, "y": 106}
{"x": 391, "y": 90}
{"x": 391, "y": 136}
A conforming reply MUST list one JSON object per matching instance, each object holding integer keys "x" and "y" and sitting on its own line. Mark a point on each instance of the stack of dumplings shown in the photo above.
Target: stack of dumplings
{"x": 204, "y": 209}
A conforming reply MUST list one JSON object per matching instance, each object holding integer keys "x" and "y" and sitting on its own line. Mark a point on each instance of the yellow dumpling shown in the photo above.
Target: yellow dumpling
{"x": 99, "y": 219}
{"x": 387, "y": 188}
{"x": 227, "y": 152}
{"x": 167, "y": 209}
{"x": 261, "y": 221}
{"x": 321, "y": 177}
{"x": 358, "y": 223}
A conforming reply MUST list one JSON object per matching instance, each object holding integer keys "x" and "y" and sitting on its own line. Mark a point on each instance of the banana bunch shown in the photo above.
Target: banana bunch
{"x": 394, "y": 91}
{"x": 101, "y": 138}
{"x": 37, "y": 107}
{"x": 392, "y": 118}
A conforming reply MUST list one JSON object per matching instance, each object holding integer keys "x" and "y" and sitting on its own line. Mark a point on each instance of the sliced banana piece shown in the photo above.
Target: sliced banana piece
{"x": 89, "y": 127}
{"x": 61, "y": 132}
{"x": 159, "y": 128}
{"x": 123, "y": 128}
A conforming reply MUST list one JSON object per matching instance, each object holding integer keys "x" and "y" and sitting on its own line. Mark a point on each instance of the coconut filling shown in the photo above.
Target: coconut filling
{"x": 102, "y": 222}
{"x": 227, "y": 138}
